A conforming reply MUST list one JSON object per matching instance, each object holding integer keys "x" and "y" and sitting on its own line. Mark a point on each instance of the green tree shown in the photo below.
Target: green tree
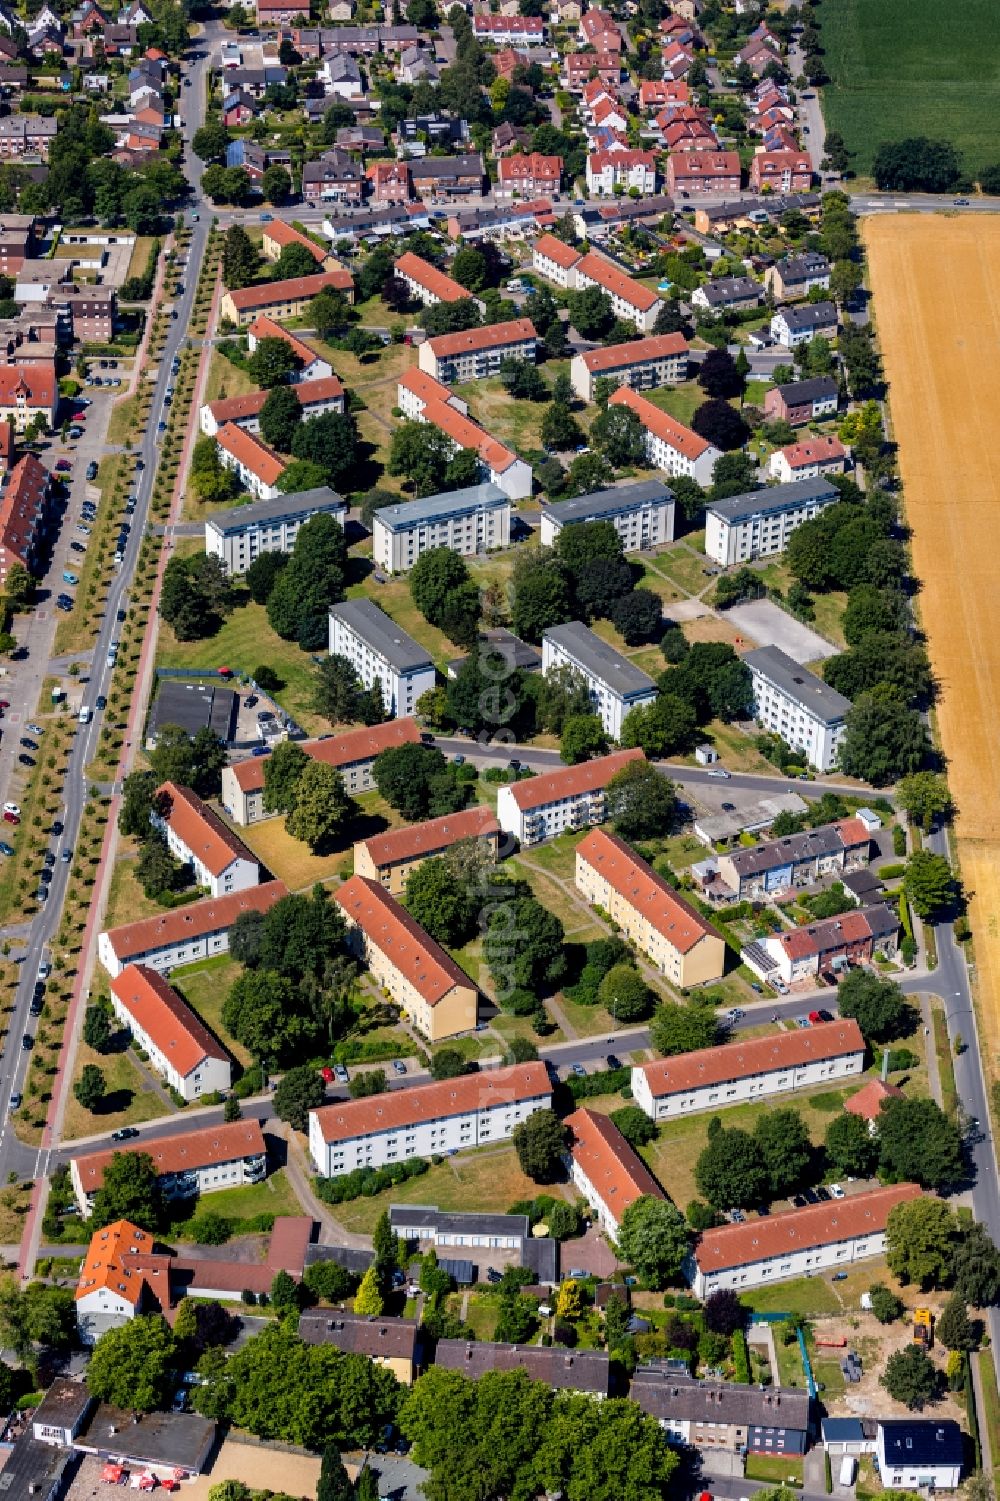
{"x": 885, "y": 1305}
{"x": 582, "y": 737}
{"x": 976, "y": 1267}
{"x": 330, "y": 1282}
{"x": 620, "y": 436}
{"x": 273, "y": 361}
{"x": 334, "y": 1483}
{"x": 210, "y": 142}
{"x": 910, "y": 1377}
{"x": 918, "y": 1143}
{"x": 136, "y": 810}
{"x": 541, "y": 594}
{"x": 422, "y": 453}
{"x": 878, "y": 1006}
{"x": 283, "y": 770}
{"x": 783, "y": 1143}
{"x": 850, "y": 1147}
{"x": 447, "y": 1063}
{"x": 328, "y": 441}
{"x": 299, "y": 1091}
{"x": 665, "y": 727}
{"x": 883, "y": 740}
{"x": 368, "y": 1298}
{"x": 930, "y": 886}
{"x": 925, "y": 799}
{"x": 370, "y": 1081}
{"x": 540, "y": 1142}
{"x": 625, "y": 994}
{"x": 302, "y": 474}
{"x": 635, "y": 1125}
{"x": 312, "y": 580}
{"x": 386, "y": 1247}
{"x": 279, "y": 418}
{"x": 276, "y": 187}
{"x": 231, "y": 1112}
{"x": 417, "y": 782}
{"x": 560, "y": 430}
{"x": 91, "y": 1087}
{"x": 920, "y": 1240}
{"x": 322, "y": 807}
{"x": 642, "y": 803}
{"x": 134, "y": 1366}
{"x": 590, "y": 312}
{"x": 524, "y": 943}
{"x": 35, "y": 1316}
{"x": 638, "y": 616}
{"x": 730, "y": 1172}
{"x": 196, "y": 596}
{"x": 653, "y": 1239}
{"x": 263, "y": 1012}
{"x": 440, "y": 904}
{"x": 954, "y": 1328}
{"x": 194, "y": 761}
{"x": 97, "y": 1028}
{"x": 240, "y": 256}
{"x": 683, "y": 1029}
{"x": 434, "y": 578}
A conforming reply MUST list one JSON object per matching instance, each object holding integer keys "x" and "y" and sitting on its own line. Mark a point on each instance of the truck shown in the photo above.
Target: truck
{"x": 923, "y": 1328}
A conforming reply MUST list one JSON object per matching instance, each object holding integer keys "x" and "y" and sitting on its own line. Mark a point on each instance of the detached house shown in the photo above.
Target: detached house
{"x": 796, "y": 276}
{"x": 792, "y": 326}
{"x": 809, "y": 459}
{"x": 532, "y": 175}
{"x": 782, "y": 171}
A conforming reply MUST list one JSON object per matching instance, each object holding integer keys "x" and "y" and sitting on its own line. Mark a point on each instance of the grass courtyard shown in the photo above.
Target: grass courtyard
{"x": 489, "y": 1176}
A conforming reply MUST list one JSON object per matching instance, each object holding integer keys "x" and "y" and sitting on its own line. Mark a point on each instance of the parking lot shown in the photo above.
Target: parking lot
{"x": 769, "y": 625}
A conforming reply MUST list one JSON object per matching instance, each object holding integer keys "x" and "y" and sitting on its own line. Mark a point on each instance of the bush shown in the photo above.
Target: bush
{"x": 365, "y": 1182}
{"x": 741, "y": 1357}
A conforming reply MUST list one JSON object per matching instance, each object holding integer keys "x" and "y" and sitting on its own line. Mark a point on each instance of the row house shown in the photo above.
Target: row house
{"x": 179, "y": 1046}
{"x": 748, "y": 213}
{"x": 184, "y": 935}
{"x": 599, "y": 29}
{"x": 689, "y": 135}
{"x": 27, "y": 135}
{"x": 334, "y": 178}
{"x": 195, "y": 1162}
{"x": 759, "y": 523}
{"x": 593, "y": 92}
{"x": 615, "y": 685}
{"x": 800, "y": 955}
{"x": 310, "y": 369}
{"x": 198, "y": 838}
{"x": 796, "y": 859}
{"x": 424, "y": 399}
{"x": 779, "y": 138}
{"x": 605, "y": 1169}
{"x": 641, "y": 512}
{"x": 757, "y": 57}
{"x": 509, "y": 31}
{"x": 257, "y": 467}
{"x": 26, "y": 507}
{"x": 643, "y": 364}
{"x": 574, "y": 797}
{"x": 394, "y": 1344}
{"x": 468, "y": 521}
{"x": 786, "y": 171}
{"x": 676, "y": 61}
{"x": 238, "y": 535}
{"x": 608, "y": 114}
{"x": 693, "y": 172}
{"x": 277, "y": 12}
{"x": 610, "y": 172}
{"x": 585, "y": 1371}
{"x": 802, "y": 401}
{"x": 727, "y": 1416}
{"x": 813, "y": 457}
{"x": 477, "y": 353}
{"x": 656, "y": 95}
{"x": 531, "y": 175}
{"x": 256, "y": 81}
{"x": 580, "y": 68}
{"x": 391, "y": 858}
{"x": 360, "y": 138}
{"x": 515, "y": 220}
{"x": 670, "y": 445}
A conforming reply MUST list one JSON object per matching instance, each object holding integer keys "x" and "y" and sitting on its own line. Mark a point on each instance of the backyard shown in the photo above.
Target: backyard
{"x": 489, "y": 1177}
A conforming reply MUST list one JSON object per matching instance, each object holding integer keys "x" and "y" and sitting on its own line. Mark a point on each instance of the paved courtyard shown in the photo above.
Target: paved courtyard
{"x": 769, "y": 625}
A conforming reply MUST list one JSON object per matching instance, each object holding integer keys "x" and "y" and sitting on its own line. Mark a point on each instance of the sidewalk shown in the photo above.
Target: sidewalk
{"x": 299, "y": 1177}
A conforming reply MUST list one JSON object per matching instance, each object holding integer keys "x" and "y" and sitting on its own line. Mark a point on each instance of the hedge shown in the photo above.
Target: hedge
{"x": 366, "y": 1182}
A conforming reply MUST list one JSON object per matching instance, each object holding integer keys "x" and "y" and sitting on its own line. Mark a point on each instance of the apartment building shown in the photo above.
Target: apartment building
{"x": 352, "y": 754}
{"x": 759, "y": 523}
{"x": 649, "y": 912}
{"x": 795, "y": 276}
{"x": 630, "y": 300}
{"x": 794, "y": 703}
{"x": 442, "y": 178}
{"x": 642, "y": 513}
{"x": 586, "y": 1371}
{"x": 314, "y": 397}
{"x": 27, "y": 502}
{"x": 644, "y": 364}
{"x": 573, "y": 797}
{"x": 802, "y": 401}
{"x": 724, "y": 294}
{"x": 439, "y": 998}
{"x": 179, "y": 1045}
{"x": 27, "y": 135}
{"x": 529, "y": 174}
{"x": 477, "y": 353}
{"x": 750, "y": 1069}
{"x": 381, "y": 652}
{"x": 802, "y": 953}
{"x": 670, "y": 445}
{"x": 283, "y": 299}
{"x": 555, "y": 260}
{"x": 28, "y": 391}
{"x": 509, "y": 31}
{"x": 197, "y": 837}
{"x": 798, "y": 1243}
{"x": 393, "y": 1344}
{"x": 615, "y": 684}
{"x": 692, "y": 173}
{"x": 258, "y": 467}
{"x": 792, "y": 326}
{"x": 278, "y": 236}
{"x": 823, "y": 454}
{"x": 796, "y": 859}
{"x": 310, "y": 367}
{"x": 424, "y": 399}
{"x": 392, "y": 857}
{"x": 115, "y": 1284}
{"x": 609, "y": 172}
{"x": 431, "y": 1118}
{"x": 197, "y": 1162}
{"x": 199, "y": 930}
{"x": 470, "y": 521}
{"x": 426, "y": 283}
{"x": 781, "y": 171}
{"x": 238, "y": 535}
{"x": 607, "y": 1171}
{"x": 726, "y": 1416}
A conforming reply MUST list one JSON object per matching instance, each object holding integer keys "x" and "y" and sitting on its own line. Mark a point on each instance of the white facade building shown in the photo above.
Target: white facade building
{"x": 923, "y": 1455}
{"x": 179, "y": 1045}
{"x": 223, "y": 1156}
{"x": 642, "y": 514}
{"x": 643, "y": 364}
{"x": 571, "y": 798}
{"x": 759, "y": 523}
{"x": 615, "y": 684}
{"x": 792, "y": 326}
{"x": 556, "y": 261}
{"x": 748, "y": 1070}
{"x": 812, "y": 457}
{"x": 608, "y": 1172}
{"x": 239, "y": 534}
{"x": 432, "y": 1118}
{"x": 470, "y": 521}
{"x": 197, "y": 837}
{"x": 794, "y": 703}
{"x": 477, "y": 353}
{"x": 670, "y": 445}
{"x": 183, "y": 935}
{"x": 422, "y": 398}
{"x": 381, "y": 652}
{"x": 256, "y": 466}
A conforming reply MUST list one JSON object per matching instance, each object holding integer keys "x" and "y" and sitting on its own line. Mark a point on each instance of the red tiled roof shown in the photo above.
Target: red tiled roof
{"x": 527, "y": 167}
{"x": 266, "y": 328}
{"x": 468, "y": 340}
{"x": 616, "y": 1172}
{"x": 868, "y": 1101}
{"x": 428, "y": 1102}
{"x": 461, "y": 429}
{"x": 834, "y": 932}
{"x": 751, "y": 1056}
{"x": 661, "y": 424}
{"x": 162, "y": 1015}
{"x": 445, "y": 288}
{"x": 200, "y": 830}
{"x": 192, "y": 921}
{"x": 571, "y": 781}
{"x": 178, "y": 1154}
{"x": 800, "y": 1229}
{"x": 399, "y": 845}
{"x": 389, "y": 927}
{"x": 704, "y": 164}
{"x": 21, "y": 503}
{"x": 656, "y": 347}
{"x": 613, "y": 280}
{"x": 816, "y": 450}
{"x": 643, "y": 889}
{"x": 306, "y": 393}
{"x": 558, "y": 251}
{"x": 295, "y": 289}
{"x": 251, "y": 452}
{"x": 34, "y": 385}
{"x": 283, "y": 234}
{"x": 339, "y": 750}
{"x": 109, "y": 1262}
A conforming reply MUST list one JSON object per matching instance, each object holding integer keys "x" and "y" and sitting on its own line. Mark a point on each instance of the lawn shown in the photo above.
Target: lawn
{"x": 655, "y": 581}
{"x": 488, "y": 1176}
{"x": 294, "y": 863}
{"x": 481, "y": 1314}
{"x": 131, "y": 1100}
{"x": 225, "y": 379}
{"x": 773, "y": 1468}
{"x": 127, "y": 902}
{"x": 812, "y": 1297}
{"x": 274, "y": 1196}
{"x": 680, "y": 401}
{"x": 989, "y": 1418}
{"x": 395, "y": 599}
{"x": 205, "y": 986}
{"x": 140, "y": 255}
{"x": 516, "y": 423}
{"x": 683, "y": 567}
{"x": 828, "y": 609}
{"x": 737, "y": 750}
{"x": 897, "y": 72}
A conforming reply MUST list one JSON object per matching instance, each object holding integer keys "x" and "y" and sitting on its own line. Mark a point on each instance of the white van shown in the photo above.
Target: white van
{"x": 85, "y": 715}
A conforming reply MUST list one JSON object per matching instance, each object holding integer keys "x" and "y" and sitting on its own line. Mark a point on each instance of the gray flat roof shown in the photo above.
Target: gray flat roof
{"x": 797, "y": 683}
{"x": 165, "y": 1438}
{"x": 194, "y": 706}
{"x": 772, "y": 499}
{"x": 381, "y": 633}
{"x": 238, "y": 518}
{"x": 600, "y": 660}
{"x": 603, "y": 503}
{"x": 449, "y": 503}
{"x": 35, "y": 1468}
{"x": 427, "y": 1217}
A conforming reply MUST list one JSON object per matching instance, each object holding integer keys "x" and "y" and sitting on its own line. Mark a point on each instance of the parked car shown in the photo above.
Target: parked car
{"x": 125, "y": 1134}
{"x": 341, "y": 1074}
{"x": 6, "y": 849}
{"x": 398, "y": 1067}
{"x": 63, "y": 465}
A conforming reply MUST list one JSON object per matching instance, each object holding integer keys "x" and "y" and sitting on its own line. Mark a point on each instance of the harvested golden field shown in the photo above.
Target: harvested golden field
{"x": 935, "y": 280}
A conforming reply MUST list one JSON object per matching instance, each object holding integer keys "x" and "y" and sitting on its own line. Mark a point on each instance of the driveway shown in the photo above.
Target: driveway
{"x": 769, "y": 625}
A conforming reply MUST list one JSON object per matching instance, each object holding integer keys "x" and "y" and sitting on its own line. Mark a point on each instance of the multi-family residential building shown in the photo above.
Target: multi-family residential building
{"x": 27, "y": 503}
{"x": 854, "y": 937}
{"x": 759, "y": 523}
{"x": 824, "y": 454}
{"x": 333, "y": 178}
{"x": 393, "y": 1344}
{"x": 578, "y": 66}
{"x": 85, "y": 311}
{"x": 643, "y": 364}
{"x": 258, "y": 467}
{"x": 239, "y": 534}
{"x": 477, "y": 353}
{"x": 555, "y": 260}
{"x": 445, "y": 177}
{"x": 725, "y": 293}
{"x": 197, "y": 837}
{"x": 381, "y": 652}
{"x": 630, "y": 300}
{"x": 607, "y": 1171}
{"x": 796, "y": 275}
{"x": 796, "y": 859}
{"x": 438, "y": 998}
{"x": 509, "y": 31}
{"x": 278, "y": 236}
{"x": 750, "y": 1069}
{"x": 794, "y": 703}
{"x": 586, "y": 1371}
{"x": 659, "y": 94}
{"x": 199, "y": 930}
{"x": 197, "y": 1162}
{"x": 642, "y": 513}
{"x": 179, "y": 1045}
{"x": 650, "y": 913}
{"x": 113, "y": 1287}
{"x": 616, "y": 686}
{"x": 391, "y": 858}
{"x": 283, "y": 299}
{"x": 27, "y": 135}
{"x": 352, "y": 754}
{"x": 574, "y": 797}
{"x": 27, "y": 392}
{"x": 314, "y": 397}
{"x": 781, "y": 171}
{"x": 426, "y": 283}
{"x": 310, "y": 367}
{"x": 470, "y": 521}
{"x": 613, "y": 171}
{"x": 919, "y": 1454}
{"x": 424, "y": 399}
{"x": 530, "y": 174}
{"x": 725, "y": 1416}
{"x": 798, "y": 1243}
{"x": 431, "y": 1118}
{"x": 391, "y": 182}
{"x": 690, "y": 173}
{"x": 792, "y": 326}
{"x": 670, "y": 445}
{"x": 802, "y": 401}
